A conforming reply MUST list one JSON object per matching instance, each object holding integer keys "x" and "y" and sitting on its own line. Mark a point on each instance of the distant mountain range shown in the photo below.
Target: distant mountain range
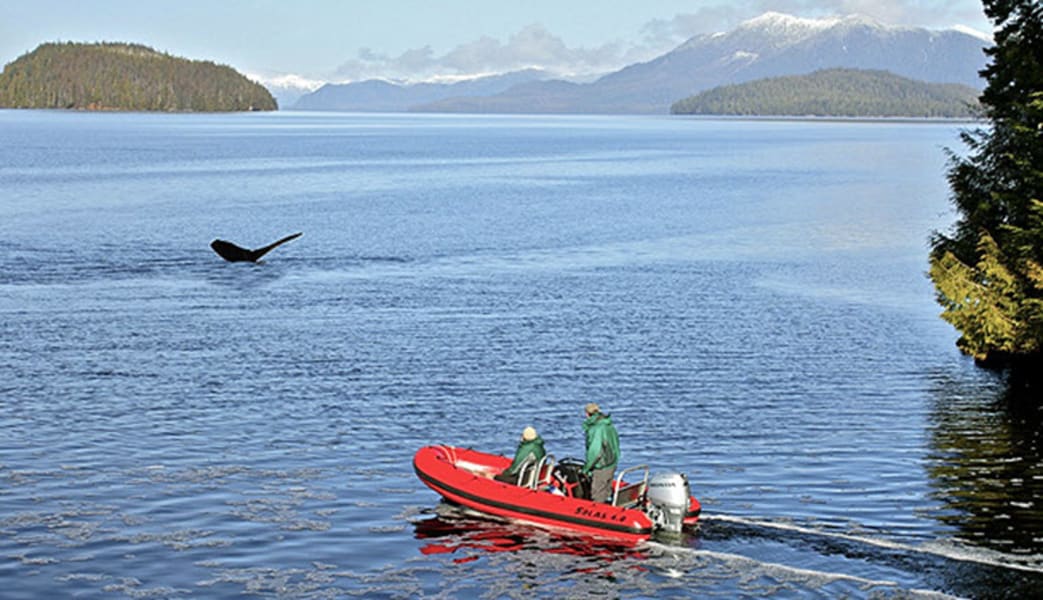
{"x": 836, "y": 93}
{"x": 376, "y": 95}
{"x": 771, "y": 45}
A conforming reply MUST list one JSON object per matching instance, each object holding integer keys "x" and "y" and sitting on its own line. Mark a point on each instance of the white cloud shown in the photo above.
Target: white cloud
{"x": 709, "y": 19}
{"x": 532, "y": 46}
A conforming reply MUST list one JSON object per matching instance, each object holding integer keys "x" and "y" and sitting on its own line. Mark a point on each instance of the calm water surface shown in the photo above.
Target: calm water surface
{"x": 746, "y": 298}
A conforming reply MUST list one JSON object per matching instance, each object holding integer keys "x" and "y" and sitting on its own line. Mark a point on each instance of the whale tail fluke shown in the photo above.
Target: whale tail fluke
{"x": 232, "y": 253}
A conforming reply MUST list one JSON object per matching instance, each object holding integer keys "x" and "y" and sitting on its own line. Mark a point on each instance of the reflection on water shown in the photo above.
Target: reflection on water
{"x": 986, "y": 464}
{"x": 455, "y": 530}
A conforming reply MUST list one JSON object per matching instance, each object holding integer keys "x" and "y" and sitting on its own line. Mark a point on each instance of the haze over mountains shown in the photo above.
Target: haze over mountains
{"x": 771, "y": 45}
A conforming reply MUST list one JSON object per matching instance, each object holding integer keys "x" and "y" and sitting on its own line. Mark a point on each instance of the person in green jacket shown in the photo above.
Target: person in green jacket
{"x": 530, "y": 452}
{"x": 602, "y": 452}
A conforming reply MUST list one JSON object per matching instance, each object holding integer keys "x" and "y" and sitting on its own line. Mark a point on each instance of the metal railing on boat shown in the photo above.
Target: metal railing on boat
{"x": 632, "y": 494}
{"x": 529, "y": 475}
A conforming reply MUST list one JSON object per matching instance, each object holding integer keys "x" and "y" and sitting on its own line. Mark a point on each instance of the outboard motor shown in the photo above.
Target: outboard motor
{"x": 668, "y": 499}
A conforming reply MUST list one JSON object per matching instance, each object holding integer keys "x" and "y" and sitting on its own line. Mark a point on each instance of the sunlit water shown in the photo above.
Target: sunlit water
{"x": 746, "y": 298}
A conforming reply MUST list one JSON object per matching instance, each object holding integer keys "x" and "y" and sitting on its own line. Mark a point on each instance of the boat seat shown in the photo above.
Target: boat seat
{"x": 546, "y": 471}
{"x": 525, "y": 472}
{"x": 534, "y": 474}
{"x": 631, "y": 495}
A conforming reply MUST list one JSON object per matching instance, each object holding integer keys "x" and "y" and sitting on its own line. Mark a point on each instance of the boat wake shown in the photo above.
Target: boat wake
{"x": 804, "y": 578}
{"x": 747, "y": 556}
{"x": 939, "y": 550}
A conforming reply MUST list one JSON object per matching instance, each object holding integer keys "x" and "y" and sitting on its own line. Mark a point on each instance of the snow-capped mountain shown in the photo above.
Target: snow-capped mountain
{"x": 770, "y": 45}
{"x": 287, "y": 88}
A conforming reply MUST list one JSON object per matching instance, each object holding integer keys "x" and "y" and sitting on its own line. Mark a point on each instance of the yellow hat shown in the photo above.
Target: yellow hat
{"x": 528, "y": 434}
{"x": 592, "y": 408}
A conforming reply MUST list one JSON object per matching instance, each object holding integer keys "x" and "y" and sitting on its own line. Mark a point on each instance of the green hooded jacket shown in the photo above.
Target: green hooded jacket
{"x": 532, "y": 448}
{"x": 602, "y": 443}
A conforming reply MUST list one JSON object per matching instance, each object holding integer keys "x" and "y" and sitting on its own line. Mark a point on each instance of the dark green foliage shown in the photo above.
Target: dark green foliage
{"x": 987, "y": 271}
{"x": 835, "y": 93}
{"x": 115, "y": 76}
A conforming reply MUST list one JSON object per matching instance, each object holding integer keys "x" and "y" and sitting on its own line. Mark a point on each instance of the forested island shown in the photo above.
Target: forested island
{"x": 836, "y": 93}
{"x": 127, "y": 77}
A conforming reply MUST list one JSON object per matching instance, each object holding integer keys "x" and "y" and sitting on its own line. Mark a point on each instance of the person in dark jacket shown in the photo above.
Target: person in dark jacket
{"x": 530, "y": 452}
{"x": 602, "y": 452}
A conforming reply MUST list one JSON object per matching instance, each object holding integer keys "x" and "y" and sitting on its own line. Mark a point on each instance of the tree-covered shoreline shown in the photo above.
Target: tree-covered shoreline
{"x": 125, "y": 77}
{"x": 988, "y": 269}
{"x": 836, "y": 93}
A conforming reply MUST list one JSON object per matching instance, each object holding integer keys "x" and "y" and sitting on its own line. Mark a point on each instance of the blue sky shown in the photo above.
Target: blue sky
{"x": 339, "y": 40}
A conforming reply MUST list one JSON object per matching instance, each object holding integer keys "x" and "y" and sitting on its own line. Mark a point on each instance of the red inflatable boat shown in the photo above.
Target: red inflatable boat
{"x": 550, "y": 494}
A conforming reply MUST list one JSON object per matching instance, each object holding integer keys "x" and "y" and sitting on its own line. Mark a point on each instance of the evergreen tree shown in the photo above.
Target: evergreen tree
{"x": 987, "y": 272}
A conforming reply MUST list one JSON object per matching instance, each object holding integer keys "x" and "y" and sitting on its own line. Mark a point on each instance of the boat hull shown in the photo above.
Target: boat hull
{"x": 464, "y": 476}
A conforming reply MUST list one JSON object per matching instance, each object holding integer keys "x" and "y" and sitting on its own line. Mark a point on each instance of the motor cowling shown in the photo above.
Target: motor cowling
{"x": 668, "y": 498}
